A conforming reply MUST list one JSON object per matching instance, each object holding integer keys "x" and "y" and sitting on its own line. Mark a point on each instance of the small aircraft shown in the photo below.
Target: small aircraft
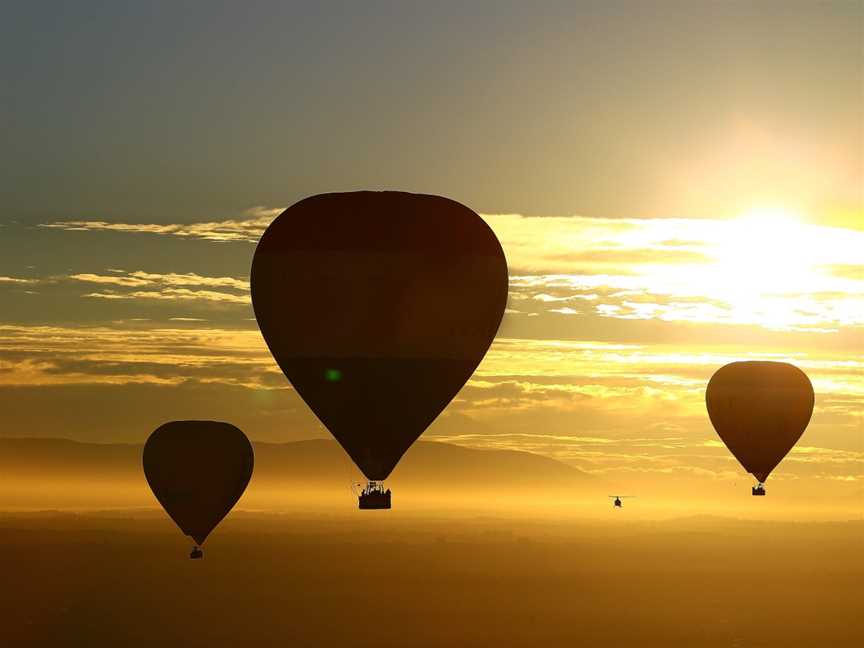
{"x": 617, "y": 503}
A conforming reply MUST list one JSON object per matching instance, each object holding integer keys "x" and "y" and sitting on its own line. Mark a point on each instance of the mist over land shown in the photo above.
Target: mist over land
{"x": 482, "y": 547}
{"x": 399, "y": 578}
{"x": 317, "y": 476}
{"x": 304, "y": 475}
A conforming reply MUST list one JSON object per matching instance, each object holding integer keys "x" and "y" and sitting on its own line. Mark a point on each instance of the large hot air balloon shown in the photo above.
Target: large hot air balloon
{"x": 760, "y": 410}
{"x": 378, "y": 306}
{"x": 198, "y": 470}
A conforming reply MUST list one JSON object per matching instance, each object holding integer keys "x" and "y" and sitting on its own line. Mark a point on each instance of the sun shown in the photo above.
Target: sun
{"x": 770, "y": 218}
{"x": 762, "y": 258}
{"x": 767, "y": 246}
{"x": 769, "y": 267}
{"x": 769, "y": 212}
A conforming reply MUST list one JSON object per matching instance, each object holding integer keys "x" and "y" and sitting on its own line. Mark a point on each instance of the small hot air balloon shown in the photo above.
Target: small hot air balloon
{"x": 760, "y": 410}
{"x": 378, "y": 306}
{"x": 198, "y": 470}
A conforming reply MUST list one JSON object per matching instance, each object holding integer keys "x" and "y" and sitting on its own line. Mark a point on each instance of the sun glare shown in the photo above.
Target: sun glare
{"x": 765, "y": 249}
{"x": 768, "y": 267}
{"x": 762, "y": 258}
{"x": 772, "y": 215}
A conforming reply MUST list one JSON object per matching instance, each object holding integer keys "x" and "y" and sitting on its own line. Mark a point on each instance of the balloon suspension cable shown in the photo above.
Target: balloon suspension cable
{"x": 373, "y": 486}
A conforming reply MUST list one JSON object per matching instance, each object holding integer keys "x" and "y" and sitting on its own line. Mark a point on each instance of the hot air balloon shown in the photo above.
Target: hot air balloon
{"x": 378, "y": 306}
{"x": 760, "y": 410}
{"x": 197, "y": 470}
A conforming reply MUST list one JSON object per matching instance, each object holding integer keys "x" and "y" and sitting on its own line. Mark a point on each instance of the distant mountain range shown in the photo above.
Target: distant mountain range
{"x": 56, "y": 467}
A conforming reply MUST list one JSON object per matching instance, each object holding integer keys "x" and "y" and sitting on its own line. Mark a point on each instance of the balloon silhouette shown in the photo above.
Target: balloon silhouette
{"x": 197, "y": 470}
{"x": 378, "y": 306}
{"x": 760, "y": 410}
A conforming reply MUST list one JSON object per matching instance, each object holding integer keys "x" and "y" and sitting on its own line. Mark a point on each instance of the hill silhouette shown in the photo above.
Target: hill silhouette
{"x": 49, "y": 473}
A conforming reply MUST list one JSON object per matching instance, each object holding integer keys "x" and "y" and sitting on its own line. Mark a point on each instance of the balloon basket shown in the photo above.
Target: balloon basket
{"x": 374, "y": 497}
{"x": 758, "y": 491}
{"x": 196, "y": 554}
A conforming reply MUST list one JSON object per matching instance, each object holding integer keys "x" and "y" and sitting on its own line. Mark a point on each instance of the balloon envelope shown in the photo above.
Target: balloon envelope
{"x": 378, "y": 306}
{"x": 760, "y": 410}
{"x": 198, "y": 470}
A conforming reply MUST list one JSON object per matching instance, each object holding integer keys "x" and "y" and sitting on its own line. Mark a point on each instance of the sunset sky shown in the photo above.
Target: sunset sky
{"x": 676, "y": 185}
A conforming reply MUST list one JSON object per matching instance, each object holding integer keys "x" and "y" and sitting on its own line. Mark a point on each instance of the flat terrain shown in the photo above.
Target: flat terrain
{"x": 400, "y": 579}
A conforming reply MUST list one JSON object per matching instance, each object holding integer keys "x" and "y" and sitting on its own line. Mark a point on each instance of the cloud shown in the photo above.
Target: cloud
{"x": 693, "y": 271}
{"x": 129, "y": 281}
{"x": 604, "y": 407}
{"x": 699, "y": 271}
{"x": 576, "y": 401}
{"x": 135, "y": 354}
{"x": 847, "y": 270}
{"x": 246, "y": 229}
{"x": 166, "y": 287}
{"x": 635, "y": 297}
{"x": 160, "y": 286}
{"x": 173, "y": 294}
{"x": 140, "y": 278}
{"x": 17, "y": 280}
{"x": 543, "y": 297}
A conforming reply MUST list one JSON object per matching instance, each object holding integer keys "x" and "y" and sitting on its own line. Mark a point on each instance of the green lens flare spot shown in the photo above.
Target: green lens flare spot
{"x": 332, "y": 375}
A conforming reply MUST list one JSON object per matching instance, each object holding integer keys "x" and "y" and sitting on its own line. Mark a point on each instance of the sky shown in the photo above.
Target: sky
{"x": 676, "y": 185}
